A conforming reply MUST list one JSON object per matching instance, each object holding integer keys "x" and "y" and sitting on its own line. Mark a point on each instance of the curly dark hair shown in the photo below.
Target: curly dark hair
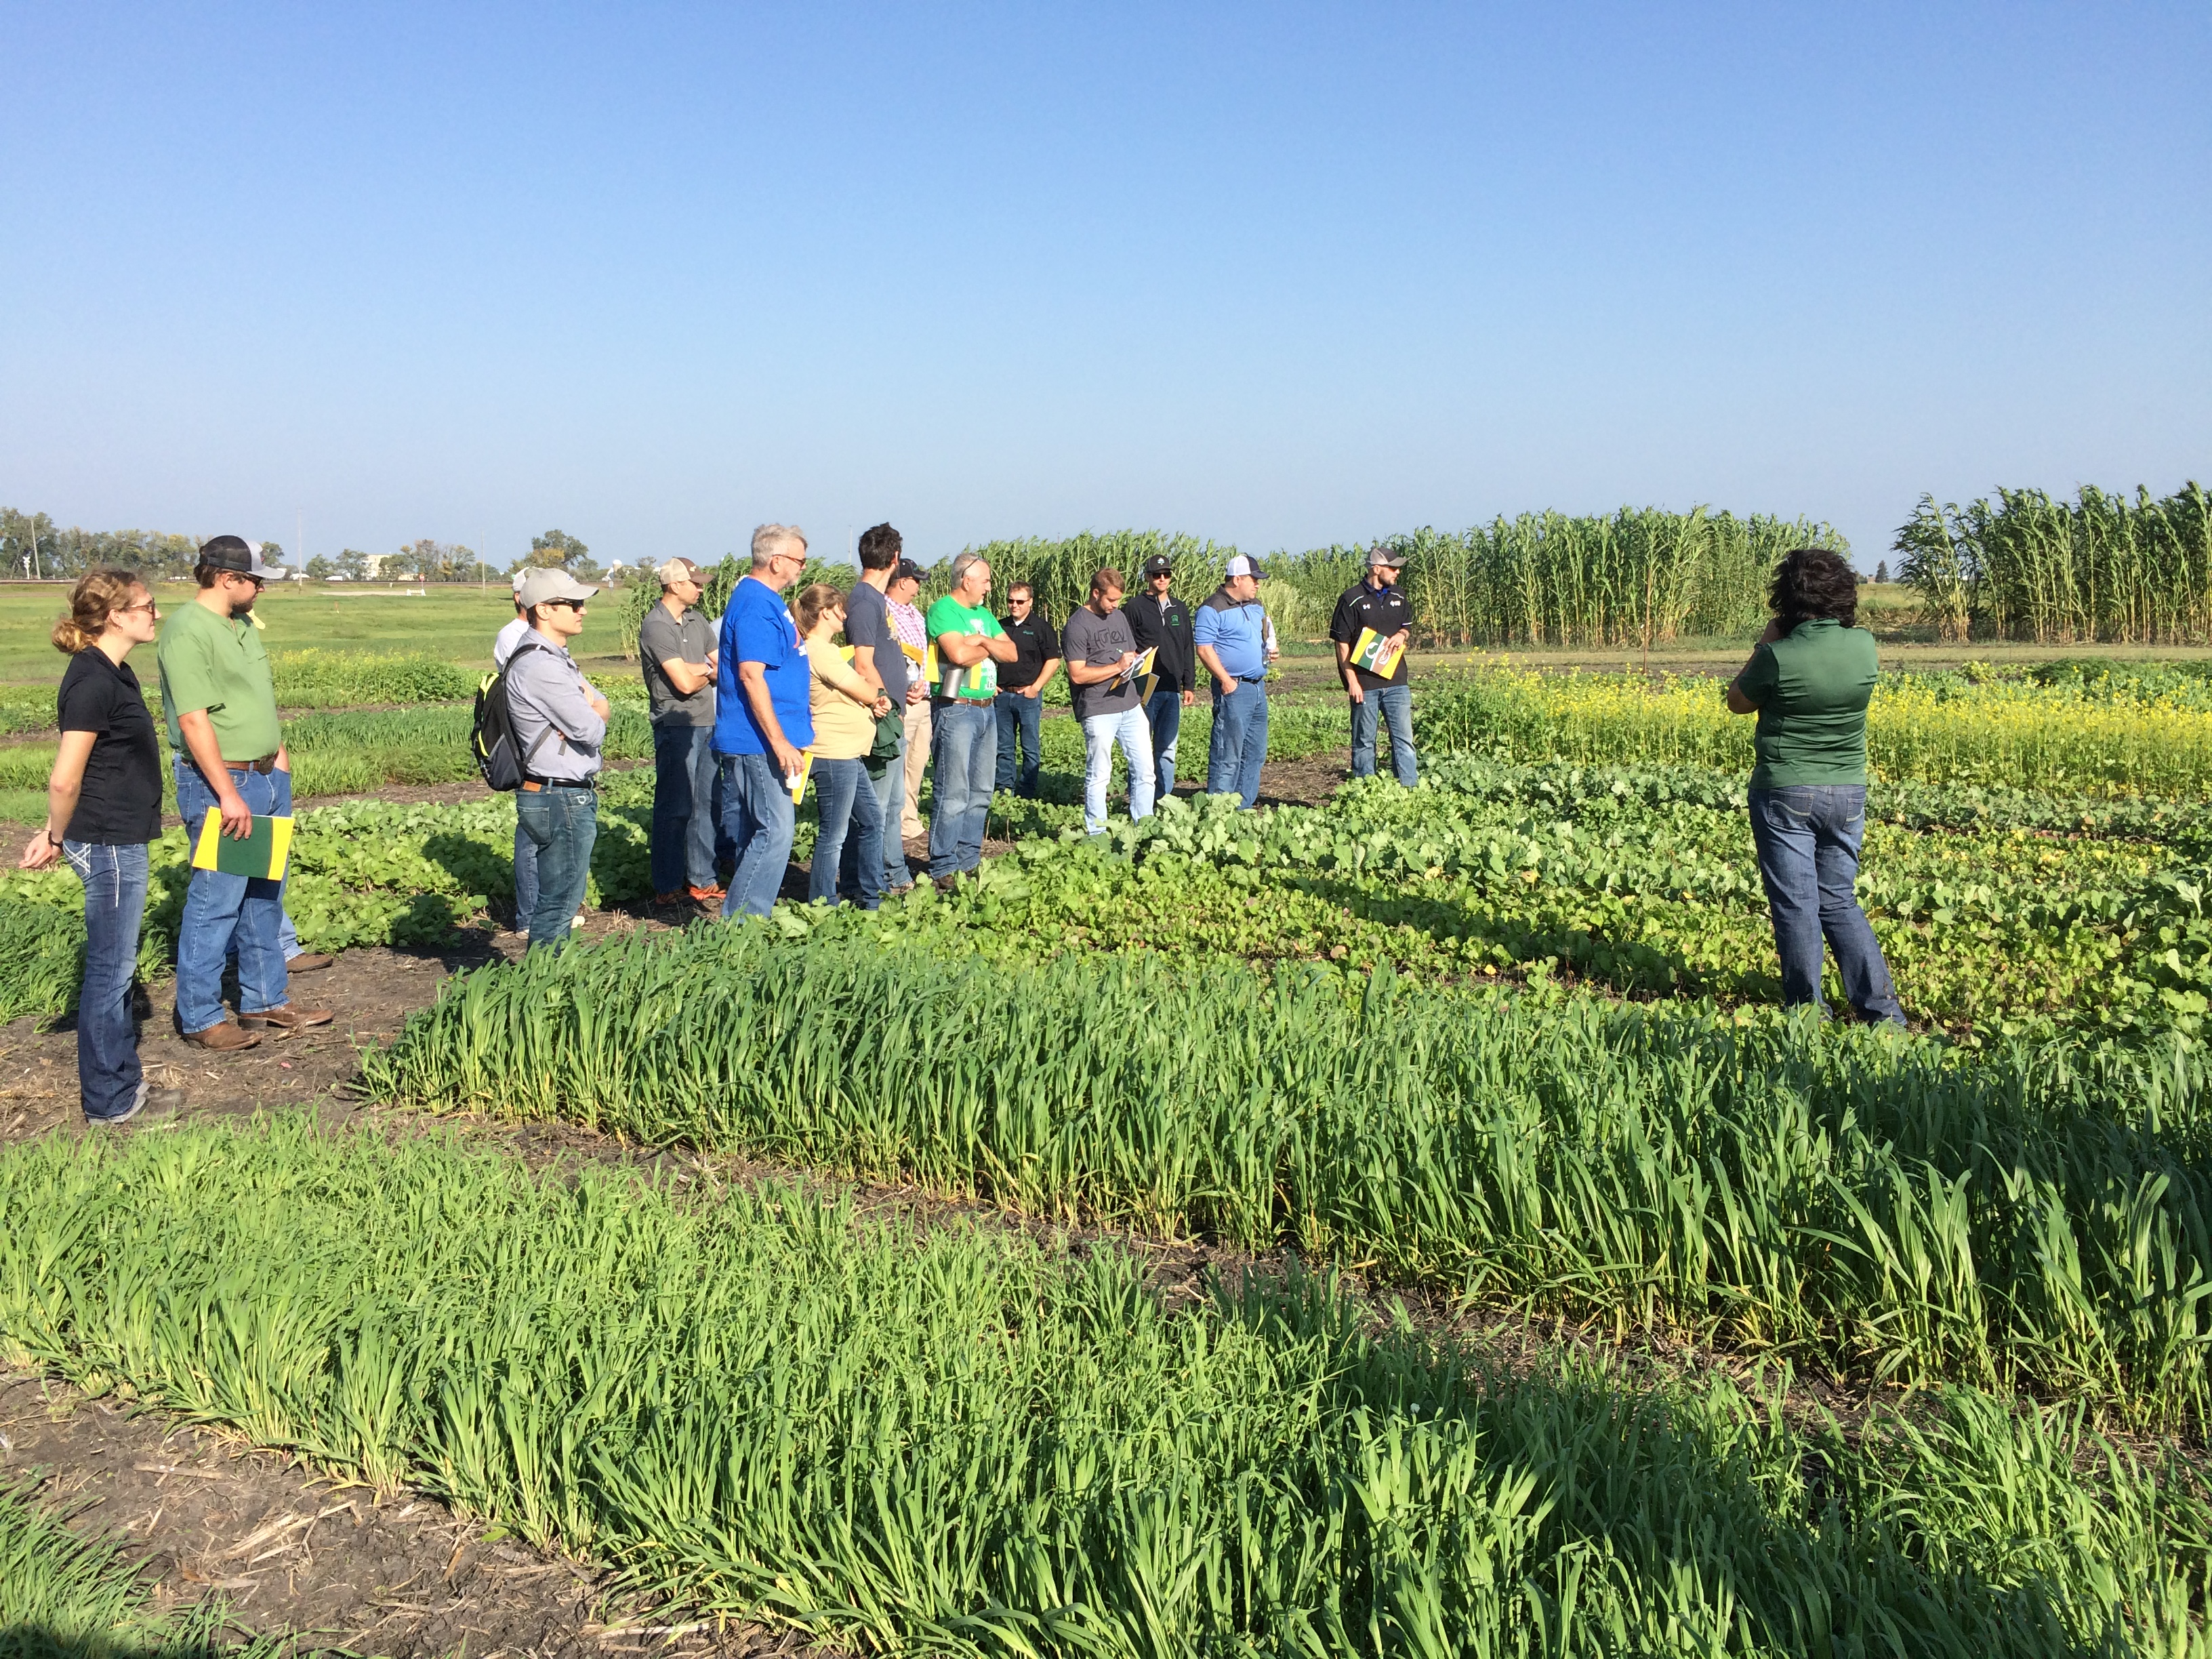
{"x": 880, "y": 547}
{"x": 1813, "y": 583}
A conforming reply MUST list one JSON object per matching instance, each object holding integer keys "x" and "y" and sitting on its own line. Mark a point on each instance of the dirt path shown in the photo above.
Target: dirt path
{"x": 336, "y": 1564}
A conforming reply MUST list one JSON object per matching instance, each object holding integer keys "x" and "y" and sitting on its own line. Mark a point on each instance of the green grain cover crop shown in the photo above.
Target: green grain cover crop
{"x": 958, "y": 1443}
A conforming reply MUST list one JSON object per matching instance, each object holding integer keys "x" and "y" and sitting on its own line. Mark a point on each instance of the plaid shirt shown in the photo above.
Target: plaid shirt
{"x": 907, "y": 623}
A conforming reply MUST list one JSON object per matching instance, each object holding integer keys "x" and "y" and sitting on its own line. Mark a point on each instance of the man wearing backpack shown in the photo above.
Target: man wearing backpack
{"x": 559, "y": 722}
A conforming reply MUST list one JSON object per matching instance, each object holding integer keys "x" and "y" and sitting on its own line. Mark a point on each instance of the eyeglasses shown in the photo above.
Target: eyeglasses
{"x": 566, "y": 605}
{"x": 149, "y": 606}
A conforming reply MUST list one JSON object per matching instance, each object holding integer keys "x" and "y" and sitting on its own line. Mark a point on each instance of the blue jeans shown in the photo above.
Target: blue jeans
{"x": 1239, "y": 741}
{"x": 563, "y": 825}
{"x": 1017, "y": 725}
{"x": 1163, "y": 714}
{"x": 1807, "y": 837}
{"x": 759, "y": 813}
{"x": 114, "y": 877}
{"x": 965, "y": 752}
{"x": 222, "y": 911}
{"x": 1100, "y": 733}
{"x": 845, "y": 797}
{"x": 1394, "y": 704}
{"x": 682, "y": 803}
{"x": 890, "y": 788}
{"x": 526, "y": 873}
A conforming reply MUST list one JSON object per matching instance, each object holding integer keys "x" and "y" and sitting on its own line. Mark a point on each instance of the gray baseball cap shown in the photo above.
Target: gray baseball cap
{"x": 543, "y": 586}
{"x": 1380, "y": 555}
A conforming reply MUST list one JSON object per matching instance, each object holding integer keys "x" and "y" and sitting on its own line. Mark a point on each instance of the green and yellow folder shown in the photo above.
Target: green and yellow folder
{"x": 261, "y": 853}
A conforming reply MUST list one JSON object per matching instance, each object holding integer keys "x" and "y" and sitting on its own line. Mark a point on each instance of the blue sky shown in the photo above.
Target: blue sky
{"x": 1282, "y": 274}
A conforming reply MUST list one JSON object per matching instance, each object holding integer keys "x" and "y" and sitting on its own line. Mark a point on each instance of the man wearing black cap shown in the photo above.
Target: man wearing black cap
{"x": 1162, "y": 621}
{"x": 1372, "y": 626}
{"x": 230, "y": 756}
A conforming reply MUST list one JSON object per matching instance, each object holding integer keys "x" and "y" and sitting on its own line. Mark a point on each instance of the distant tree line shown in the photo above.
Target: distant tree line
{"x": 31, "y": 544}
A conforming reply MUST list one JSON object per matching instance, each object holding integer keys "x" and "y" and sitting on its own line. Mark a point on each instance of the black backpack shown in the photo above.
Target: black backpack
{"x": 491, "y": 740}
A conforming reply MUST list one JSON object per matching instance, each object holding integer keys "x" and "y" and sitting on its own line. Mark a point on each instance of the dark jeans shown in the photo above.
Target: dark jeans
{"x": 1017, "y": 726}
{"x": 1238, "y": 743}
{"x": 890, "y": 788}
{"x": 845, "y": 798}
{"x": 222, "y": 911}
{"x": 1807, "y": 837}
{"x": 562, "y": 824}
{"x": 1393, "y": 704}
{"x": 683, "y": 807}
{"x": 760, "y": 815}
{"x": 114, "y": 878}
{"x": 963, "y": 752}
{"x": 1163, "y": 714}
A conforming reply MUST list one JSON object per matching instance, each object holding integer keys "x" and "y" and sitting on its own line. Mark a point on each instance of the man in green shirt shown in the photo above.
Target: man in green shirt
{"x": 963, "y": 720}
{"x": 221, "y": 709}
{"x": 1809, "y": 679}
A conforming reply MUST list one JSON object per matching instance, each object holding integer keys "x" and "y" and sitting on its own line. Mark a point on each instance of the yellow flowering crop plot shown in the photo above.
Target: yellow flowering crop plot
{"x": 2016, "y": 735}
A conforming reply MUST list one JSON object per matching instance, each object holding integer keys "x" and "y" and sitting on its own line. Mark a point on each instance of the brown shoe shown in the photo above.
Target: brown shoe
{"x": 226, "y": 1038}
{"x": 309, "y": 962}
{"x": 666, "y": 900}
{"x": 287, "y": 1019}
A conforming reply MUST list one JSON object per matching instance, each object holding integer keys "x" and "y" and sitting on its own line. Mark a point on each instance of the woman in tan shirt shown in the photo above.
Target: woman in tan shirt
{"x": 845, "y": 712}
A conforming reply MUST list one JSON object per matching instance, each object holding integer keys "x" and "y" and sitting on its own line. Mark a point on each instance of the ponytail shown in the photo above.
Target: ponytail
{"x": 98, "y": 595}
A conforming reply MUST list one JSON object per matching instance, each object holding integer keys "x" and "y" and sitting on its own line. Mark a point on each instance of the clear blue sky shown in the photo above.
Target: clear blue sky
{"x": 1280, "y": 274}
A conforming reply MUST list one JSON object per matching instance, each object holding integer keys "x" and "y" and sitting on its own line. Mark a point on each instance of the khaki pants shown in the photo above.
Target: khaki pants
{"x": 917, "y": 757}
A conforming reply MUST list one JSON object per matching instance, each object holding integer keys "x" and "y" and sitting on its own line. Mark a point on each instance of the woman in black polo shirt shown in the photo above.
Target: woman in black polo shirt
{"x": 103, "y": 806}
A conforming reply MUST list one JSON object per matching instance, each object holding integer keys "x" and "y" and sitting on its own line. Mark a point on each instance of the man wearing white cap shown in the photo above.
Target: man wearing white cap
{"x": 1371, "y": 627}
{"x": 560, "y": 722}
{"x": 1236, "y": 643}
{"x": 676, "y": 646}
{"x": 525, "y": 850}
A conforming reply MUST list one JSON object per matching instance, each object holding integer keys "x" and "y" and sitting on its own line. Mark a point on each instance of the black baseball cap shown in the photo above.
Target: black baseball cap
{"x": 906, "y": 570}
{"x": 233, "y": 553}
{"x": 1159, "y": 565}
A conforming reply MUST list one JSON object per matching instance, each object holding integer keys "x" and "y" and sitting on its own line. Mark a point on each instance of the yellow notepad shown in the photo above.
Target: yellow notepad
{"x": 1375, "y": 653}
{"x": 798, "y": 780}
{"x": 262, "y": 854}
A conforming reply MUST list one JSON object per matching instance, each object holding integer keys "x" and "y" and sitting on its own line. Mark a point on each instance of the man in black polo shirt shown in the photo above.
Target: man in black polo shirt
{"x": 1160, "y": 620}
{"x": 1371, "y": 627}
{"x": 1021, "y": 689}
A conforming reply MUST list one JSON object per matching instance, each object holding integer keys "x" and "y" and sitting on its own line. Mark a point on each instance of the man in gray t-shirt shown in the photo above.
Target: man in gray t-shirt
{"x": 676, "y": 648}
{"x": 878, "y": 659}
{"x": 1101, "y": 653}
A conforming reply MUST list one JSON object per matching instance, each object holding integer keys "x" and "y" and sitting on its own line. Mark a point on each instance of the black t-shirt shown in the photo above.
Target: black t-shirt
{"x": 1386, "y": 612}
{"x": 121, "y": 802}
{"x": 1036, "y": 642}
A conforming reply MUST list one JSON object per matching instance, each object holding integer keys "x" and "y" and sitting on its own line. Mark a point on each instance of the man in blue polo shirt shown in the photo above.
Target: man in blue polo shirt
{"x": 762, "y": 719}
{"x": 1235, "y": 645}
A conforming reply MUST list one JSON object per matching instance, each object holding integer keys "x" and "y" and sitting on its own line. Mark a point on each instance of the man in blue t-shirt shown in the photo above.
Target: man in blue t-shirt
{"x": 762, "y": 719}
{"x": 1236, "y": 642}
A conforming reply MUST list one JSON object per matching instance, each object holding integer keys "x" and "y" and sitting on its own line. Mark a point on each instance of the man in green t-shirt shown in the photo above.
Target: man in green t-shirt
{"x": 964, "y": 725}
{"x": 221, "y": 709}
{"x": 1809, "y": 680}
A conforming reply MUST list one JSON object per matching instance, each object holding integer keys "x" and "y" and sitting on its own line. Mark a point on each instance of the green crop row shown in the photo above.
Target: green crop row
{"x": 1881, "y": 1207}
{"x": 64, "y": 1596}
{"x": 963, "y": 1444}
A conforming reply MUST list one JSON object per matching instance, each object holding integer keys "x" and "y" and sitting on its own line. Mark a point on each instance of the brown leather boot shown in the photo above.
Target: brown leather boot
{"x": 226, "y": 1038}
{"x": 309, "y": 962}
{"x": 286, "y": 1018}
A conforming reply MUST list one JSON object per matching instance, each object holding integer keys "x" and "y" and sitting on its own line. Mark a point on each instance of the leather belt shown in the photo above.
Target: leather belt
{"x": 265, "y": 765}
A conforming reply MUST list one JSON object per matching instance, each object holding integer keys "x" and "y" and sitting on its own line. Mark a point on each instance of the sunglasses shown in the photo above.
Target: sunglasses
{"x": 566, "y": 605}
{"x": 149, "y": 606}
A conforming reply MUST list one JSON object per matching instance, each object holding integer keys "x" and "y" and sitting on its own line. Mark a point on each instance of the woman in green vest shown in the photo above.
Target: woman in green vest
{"x": 1808, "y": 681}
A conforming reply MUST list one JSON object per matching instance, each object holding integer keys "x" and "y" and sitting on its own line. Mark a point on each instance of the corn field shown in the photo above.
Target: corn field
{"x": 1552, "y": 578}
{"x": 2100, "y": 567}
